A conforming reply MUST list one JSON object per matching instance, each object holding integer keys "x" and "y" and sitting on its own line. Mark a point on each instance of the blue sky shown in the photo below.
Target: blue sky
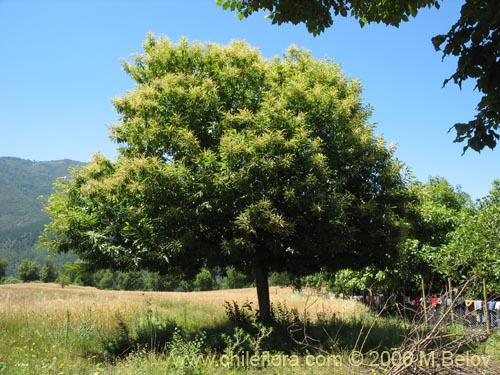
{"x": 60, "y": 67}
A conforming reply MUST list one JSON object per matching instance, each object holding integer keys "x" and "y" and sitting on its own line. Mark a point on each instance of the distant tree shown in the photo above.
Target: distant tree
{"x": 77, "y": 272}
{"x": 158, "y": 282}
{"x": 49, "y": 272}
{"x": 474, "y": 39}
{"x": 185, "y": 286}
{"x": 104, "y": 279}
{"x": 204, "y": 280}
{"x": 130, "y": 280}
{"x": 235, "y": 279}
{"x": 63, "y": 279}
{"x": 227, "y": 159}
{"x": 3, "y": 267}
{"x": 28, "y": 271}
{"x": 280, "y": 279}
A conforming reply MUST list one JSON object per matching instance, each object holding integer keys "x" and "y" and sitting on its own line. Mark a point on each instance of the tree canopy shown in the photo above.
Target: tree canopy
{"x": 230, "y": 160}
{"x": 317, "y": 15}
{"x": 436, "y": 210}
{"x": 474, "y": 39}
{"x": 474, "y": 249}
{"x": 28, "y": 271}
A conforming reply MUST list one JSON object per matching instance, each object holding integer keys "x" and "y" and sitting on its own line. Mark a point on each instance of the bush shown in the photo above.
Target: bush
{"x": 104, "y": 279}
{"x": 49, "y": 272}
{"x": 204, "y": 281}
{"x": 132, "y": 280}
{"x": 279, "y": 279}
{"x": 154, "y": 331}
{"x": 120, "y": 343}
{"x": 235, "y": 279}
{"x": 28, "y": 271}
{"x": 11, "y": 280}
{"x": 63, "y": 279}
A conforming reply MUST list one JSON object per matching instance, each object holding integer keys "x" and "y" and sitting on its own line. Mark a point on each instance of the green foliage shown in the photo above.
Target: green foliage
{"x": 120, "y": 342}
{"x": 436, "y": 211}
{"x": 132, "y": 280}
{"x": 316, "y": 281}
{"x": 475, "y": 40}
{"x": 474, "y": 249}
{"x": 28, "y": 271}
{"x": 242, "y": 315}
{"x": 104, "y": 279}
{"x": 63, "y": 279}
{"x": 159, "y": 282}
{"x": 235, "y": 279}
{"x": 204, "y": 280}
{"x": 11, "y": 280}
{"x": 21, "y": 216}
{"x": 227, "y": 159}
{"x": 317, "y": 15}
{"x": 3, "y": 267}
{"x": 154, "y": 331}
{"x": 48, "y": 272}
{"x": 348, "y": 282}
{"x": 75, "y": 272}
{"x": 280, "y": 279}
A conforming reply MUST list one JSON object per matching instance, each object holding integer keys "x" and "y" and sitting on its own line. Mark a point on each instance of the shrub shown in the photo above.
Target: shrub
{"x": 204, "y": 280}
{"x": 154, "y": 331}
{"x": 11, "y": 280}
{"x": 28, "y": 271}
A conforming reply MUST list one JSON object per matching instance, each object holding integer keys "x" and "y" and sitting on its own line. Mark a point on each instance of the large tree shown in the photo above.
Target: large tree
{"x": 228, "y": 159}
{"x": 474, "y": 39}
{"x": 474, "y": 249}
{"x": 435, "y": 212}
{"x": 435, "y": 209}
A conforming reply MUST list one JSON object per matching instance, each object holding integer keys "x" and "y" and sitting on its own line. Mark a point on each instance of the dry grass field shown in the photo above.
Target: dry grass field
{"x": 25, "y": 295}
{"x": 51, "y": 301}
{"x": 47, "y": 329}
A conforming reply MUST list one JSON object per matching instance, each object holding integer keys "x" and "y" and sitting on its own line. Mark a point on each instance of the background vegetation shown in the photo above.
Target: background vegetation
{"x": 22, "y": 182}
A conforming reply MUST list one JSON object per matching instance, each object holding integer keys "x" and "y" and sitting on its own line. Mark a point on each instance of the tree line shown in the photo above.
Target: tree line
{"x": 78, "y": 273}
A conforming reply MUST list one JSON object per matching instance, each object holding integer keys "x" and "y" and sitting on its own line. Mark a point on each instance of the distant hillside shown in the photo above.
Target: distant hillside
{"x": 22, "y": 182}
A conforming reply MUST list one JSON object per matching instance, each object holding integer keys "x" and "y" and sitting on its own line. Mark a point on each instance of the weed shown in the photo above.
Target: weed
{"x": 154, "y": 331}
{"x": 119, "y": 343}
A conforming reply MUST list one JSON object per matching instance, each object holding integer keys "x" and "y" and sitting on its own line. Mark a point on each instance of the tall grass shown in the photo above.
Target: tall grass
{"x": 46, "y": 329}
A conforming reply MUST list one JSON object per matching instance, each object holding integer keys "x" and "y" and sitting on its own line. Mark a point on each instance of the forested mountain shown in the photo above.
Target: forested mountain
{"x": 22, "y": 182}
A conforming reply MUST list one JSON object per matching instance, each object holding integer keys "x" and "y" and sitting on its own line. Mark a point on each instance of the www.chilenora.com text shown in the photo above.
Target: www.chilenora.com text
{"x": 432, "y": 359}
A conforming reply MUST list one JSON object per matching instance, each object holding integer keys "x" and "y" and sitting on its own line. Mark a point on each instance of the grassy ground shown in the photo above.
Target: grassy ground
{"x": 46, "y": 329}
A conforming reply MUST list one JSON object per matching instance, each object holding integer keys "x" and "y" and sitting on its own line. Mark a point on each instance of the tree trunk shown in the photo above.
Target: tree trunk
{"x": 262, "y": 284}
